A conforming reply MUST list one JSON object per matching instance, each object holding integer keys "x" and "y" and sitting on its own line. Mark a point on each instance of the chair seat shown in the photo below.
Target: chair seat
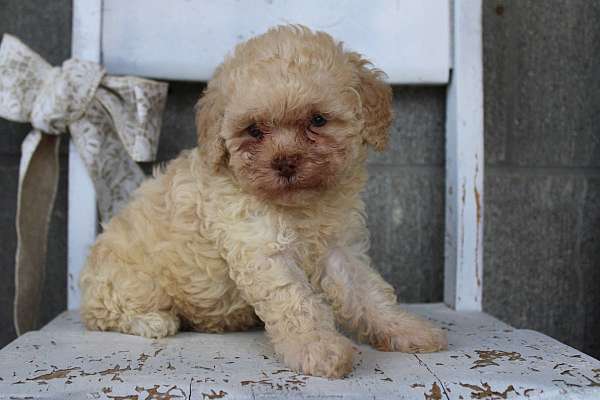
{"x": 486, "y": 359}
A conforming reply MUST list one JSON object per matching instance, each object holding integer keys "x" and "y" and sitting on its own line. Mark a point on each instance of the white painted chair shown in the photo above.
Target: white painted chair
{"x": 415, "y": 42}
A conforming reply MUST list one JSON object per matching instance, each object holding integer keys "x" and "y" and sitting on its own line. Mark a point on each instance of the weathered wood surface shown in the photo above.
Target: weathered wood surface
{"x": 463, "y": 247}
{"x": 83, "y": 221}
{"x": 487, "y": 359}
{"x": 407, "y": 39}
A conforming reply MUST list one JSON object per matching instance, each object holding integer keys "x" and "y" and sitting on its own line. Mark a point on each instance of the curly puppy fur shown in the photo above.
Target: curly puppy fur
{"x": 263, "y": 222}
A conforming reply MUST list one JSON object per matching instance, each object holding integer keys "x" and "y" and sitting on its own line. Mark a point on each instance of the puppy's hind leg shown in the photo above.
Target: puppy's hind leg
{"x": 126, "y": 299}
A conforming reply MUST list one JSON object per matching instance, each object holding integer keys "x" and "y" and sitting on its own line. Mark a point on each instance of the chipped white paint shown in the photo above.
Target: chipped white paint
{"x": 464, "y": 162}
{"x": 486, "y": 356}
{"x": 408, "y": 39}
{"x": 82, "y": 221}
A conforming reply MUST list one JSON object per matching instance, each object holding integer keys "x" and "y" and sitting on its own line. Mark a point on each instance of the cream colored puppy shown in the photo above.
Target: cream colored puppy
{"x": 264, "y": 220}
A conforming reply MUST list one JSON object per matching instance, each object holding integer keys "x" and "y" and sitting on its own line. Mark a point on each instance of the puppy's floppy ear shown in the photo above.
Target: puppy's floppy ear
{"x": 376, "y": 100}
{"x": 209, "y": 118}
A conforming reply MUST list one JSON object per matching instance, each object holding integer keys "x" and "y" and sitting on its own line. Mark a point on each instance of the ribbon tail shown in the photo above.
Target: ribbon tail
{"x": 113, "y": 171}
{"x": 38, "y": 181}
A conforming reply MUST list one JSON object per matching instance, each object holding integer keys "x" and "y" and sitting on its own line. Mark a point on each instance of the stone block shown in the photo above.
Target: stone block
{"x": 541, "y": 63}
{"x": 417, "y": 136}
{"x": 533, "y": 275}
{"x": 405, "y": 209}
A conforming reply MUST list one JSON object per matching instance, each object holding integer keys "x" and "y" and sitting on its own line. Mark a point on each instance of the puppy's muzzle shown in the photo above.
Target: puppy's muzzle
{"x": 286, "y": 166}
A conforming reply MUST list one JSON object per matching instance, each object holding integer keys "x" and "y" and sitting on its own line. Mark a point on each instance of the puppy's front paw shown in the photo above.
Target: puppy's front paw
{"x": 156, "y": 324}
{"x": 410, "y": 336}
{"x": 326, "y": 354}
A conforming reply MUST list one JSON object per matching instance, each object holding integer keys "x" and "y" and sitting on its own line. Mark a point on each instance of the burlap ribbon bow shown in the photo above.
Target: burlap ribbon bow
{"x": 113, "y": 122}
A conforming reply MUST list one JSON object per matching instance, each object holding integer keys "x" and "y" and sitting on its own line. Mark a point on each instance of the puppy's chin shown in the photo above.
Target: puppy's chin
{"x": 296, "y": 191}
{"x": 289, "y": 192}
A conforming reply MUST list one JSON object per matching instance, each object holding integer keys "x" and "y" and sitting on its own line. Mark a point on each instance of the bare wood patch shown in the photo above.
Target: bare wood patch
{"x": 485, "y": 391}
{"x": 214, "y": 395}
{"x": 56, "y": 374}
{"x": 435, "y": 393}
{"x": 489, "y": 357}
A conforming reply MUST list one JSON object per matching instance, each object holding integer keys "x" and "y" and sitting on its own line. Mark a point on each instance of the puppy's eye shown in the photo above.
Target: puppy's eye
{"x": 255, "y": 131}
{"x": 318, "y": 120}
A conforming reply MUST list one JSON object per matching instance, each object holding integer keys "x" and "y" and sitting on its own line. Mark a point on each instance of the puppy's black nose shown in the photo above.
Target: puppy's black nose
{"x": 285, "y": 165}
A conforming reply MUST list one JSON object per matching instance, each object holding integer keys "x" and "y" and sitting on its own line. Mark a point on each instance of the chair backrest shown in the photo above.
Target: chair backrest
{"x": 185, "y": 40}
{"x": 415, "y": 42}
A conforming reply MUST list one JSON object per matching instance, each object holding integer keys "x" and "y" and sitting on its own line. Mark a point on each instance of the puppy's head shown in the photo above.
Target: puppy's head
{"x": 290, "y": 114}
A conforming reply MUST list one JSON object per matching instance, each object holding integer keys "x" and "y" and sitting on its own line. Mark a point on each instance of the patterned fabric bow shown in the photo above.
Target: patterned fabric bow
{"x": 113, "y": 122}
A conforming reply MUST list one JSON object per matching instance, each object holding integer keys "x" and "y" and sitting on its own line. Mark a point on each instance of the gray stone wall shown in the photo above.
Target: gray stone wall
{"x": 542, "y": 147}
